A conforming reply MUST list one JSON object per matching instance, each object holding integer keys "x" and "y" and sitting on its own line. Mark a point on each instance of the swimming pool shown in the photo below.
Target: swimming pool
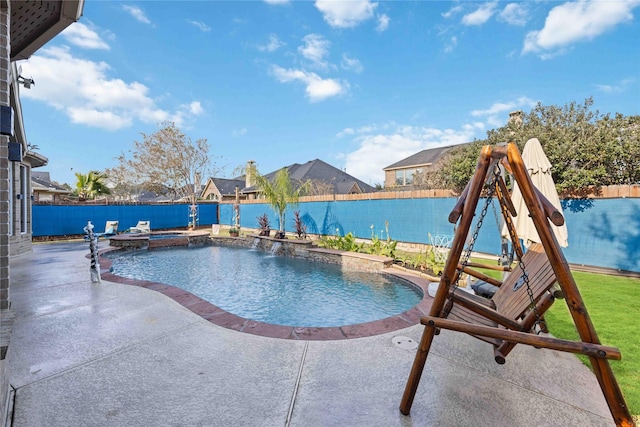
{"x": 272, "y": 289}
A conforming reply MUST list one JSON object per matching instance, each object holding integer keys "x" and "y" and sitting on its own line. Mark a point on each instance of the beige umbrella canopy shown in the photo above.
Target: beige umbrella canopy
{"x": 539, "y": 169}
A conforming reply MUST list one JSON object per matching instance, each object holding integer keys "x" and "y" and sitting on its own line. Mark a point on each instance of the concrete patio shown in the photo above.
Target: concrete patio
{"x": 85, "y": 354}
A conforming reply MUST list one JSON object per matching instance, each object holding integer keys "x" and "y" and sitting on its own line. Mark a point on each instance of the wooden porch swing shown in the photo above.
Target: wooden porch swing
{"x": 516, "y": 310}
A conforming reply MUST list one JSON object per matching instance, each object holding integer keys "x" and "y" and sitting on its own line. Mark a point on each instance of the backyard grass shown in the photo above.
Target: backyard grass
{"x": 613, "y": 303}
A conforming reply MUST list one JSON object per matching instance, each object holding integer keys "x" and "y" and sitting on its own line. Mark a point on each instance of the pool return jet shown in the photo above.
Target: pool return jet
{"x": 516, "y": 310}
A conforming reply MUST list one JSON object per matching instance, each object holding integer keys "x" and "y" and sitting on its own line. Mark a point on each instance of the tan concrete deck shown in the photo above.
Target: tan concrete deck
{"x": 86, "y": 354}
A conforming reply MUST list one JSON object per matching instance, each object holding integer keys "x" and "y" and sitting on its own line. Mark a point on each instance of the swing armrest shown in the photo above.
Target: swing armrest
{"x": 469, "y": 301}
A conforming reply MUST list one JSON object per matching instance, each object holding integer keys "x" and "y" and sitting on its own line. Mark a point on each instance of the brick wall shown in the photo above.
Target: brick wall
{"x": 5, "y": 313}
{"x": 4, "y": 153}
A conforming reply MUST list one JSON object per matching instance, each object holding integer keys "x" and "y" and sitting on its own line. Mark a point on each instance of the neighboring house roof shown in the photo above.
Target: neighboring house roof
{"x": 422, "y": 158}
{"x": 228, "y": 186}
{"x": 151, "y": 196}
{"x": 317, "y": 170}
{"x": 41, "y": 181}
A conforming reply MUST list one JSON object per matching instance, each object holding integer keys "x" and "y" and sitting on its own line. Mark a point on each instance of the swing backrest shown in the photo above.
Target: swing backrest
{"x": 514, "y": 303}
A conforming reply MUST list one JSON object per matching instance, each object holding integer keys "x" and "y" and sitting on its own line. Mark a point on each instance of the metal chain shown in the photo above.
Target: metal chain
{"x": 532, "y": 305}
{"x": 474, "y": 236}
{"x": 483, "y": 213}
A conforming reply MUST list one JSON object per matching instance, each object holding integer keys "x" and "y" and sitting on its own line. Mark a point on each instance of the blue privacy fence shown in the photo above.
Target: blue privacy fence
{"x": 53, "y": 220}
{"x": 602, "y": 232}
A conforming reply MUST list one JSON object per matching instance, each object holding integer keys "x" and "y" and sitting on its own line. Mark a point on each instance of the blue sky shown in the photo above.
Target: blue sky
{"x": 358, "y": 84}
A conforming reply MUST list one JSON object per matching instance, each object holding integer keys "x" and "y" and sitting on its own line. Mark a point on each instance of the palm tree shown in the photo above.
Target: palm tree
{"x": 91, "y": 185}
{"x": 280, "y": 193}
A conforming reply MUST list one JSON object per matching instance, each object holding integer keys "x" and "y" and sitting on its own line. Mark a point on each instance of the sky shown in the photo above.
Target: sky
{"x": 359, "y": 84}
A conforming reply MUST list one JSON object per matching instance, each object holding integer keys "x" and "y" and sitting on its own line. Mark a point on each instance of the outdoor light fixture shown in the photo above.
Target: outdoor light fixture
{"x": 27, "y": 83}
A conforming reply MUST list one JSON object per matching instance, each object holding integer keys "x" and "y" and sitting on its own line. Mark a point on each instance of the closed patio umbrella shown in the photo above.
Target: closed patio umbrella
{"x": 539, "y": 169}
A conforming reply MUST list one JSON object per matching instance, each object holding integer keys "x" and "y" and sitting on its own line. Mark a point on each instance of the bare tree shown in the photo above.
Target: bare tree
{"x": 166, "y": 161}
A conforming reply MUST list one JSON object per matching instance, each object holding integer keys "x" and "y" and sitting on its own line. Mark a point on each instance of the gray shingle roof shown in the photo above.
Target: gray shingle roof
{"x": 317, "y": 170}
{"x": 424, "y": 157}
{"x": 43, "y": 179}
{"x": 228, "y": 186}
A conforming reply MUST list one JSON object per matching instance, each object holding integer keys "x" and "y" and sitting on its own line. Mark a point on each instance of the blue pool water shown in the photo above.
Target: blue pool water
{"x": 272, "y": 289}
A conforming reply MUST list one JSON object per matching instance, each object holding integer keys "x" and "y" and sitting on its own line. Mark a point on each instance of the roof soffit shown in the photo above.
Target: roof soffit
{"x": 34, "y": 23}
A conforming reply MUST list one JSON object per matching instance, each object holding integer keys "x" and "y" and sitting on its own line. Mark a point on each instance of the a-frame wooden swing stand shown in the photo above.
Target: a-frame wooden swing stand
{"x": 511, "y": 315}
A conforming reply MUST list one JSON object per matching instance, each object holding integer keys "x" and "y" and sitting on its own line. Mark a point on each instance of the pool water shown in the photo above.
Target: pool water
{"x": 272, "y": 289}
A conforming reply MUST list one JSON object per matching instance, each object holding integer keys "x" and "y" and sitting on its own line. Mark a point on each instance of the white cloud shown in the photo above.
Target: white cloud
{"x": 200, "y": 25}
{"x": 577, "y": 21}
{"x": 346, "y": 14}
{"x": 100, "y": 119}
{"x": 239, "y": 132}
{"x": 497, "y": 114}
{"x": 383, "y": 23}
{"x": 481, "y": 15}
{"x": 453, "y": 11}
{"x": 274, "y": 44}
{"x": 195, "y": 108}
{"x": 344, "y": 132}
{"x": 317, "y": 88}
{"x": 183, "y": 113}
{"x": 137, "y": 13}
{"x": 514, "y": 14}
{"x": 619, "y": 87}
{"x": 377, "y": 150}
{"x": 82, "y": 36}
{"x": 276, "y": 2}
{"x": 315, "y": 49}
{"x": 352, "y": 64}
{"x": 453, "y": 42}
{"x": 91, "y": 97}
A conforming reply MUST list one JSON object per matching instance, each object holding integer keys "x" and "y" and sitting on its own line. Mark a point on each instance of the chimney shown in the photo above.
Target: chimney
{"x": 250, "y": 174}
{"x": 515, "y": 117}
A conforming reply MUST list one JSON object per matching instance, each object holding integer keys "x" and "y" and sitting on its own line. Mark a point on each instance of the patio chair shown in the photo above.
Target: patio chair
{"x": 141, "y": 227}
{"x": 110, "y": 229}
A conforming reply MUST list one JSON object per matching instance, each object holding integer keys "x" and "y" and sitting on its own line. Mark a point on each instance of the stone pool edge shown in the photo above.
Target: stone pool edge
{"x": 220, "y": 317}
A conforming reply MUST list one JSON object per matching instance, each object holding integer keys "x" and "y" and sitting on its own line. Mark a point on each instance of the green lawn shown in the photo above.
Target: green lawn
{"x": 613, "y": 303}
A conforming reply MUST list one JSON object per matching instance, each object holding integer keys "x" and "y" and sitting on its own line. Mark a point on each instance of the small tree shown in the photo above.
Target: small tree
{"x": 265, "y": 226}
{"x": 299, "y": 226}
{"x": 280, "y": 193}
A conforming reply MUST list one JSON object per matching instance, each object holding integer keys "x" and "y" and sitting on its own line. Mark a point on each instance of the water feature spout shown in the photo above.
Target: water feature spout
{"x": 276, "y": 248}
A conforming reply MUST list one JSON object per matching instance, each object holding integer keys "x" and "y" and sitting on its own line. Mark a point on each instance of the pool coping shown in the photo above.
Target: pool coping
{"x": 220, "y": 317}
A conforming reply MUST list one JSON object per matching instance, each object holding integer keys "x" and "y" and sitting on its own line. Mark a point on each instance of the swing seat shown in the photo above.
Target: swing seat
{"x": 508, "y": 317}
{"x": 510, "y": 306}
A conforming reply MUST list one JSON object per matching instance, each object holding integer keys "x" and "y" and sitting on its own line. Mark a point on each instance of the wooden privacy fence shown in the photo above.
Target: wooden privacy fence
{"x": 603, "y": 192}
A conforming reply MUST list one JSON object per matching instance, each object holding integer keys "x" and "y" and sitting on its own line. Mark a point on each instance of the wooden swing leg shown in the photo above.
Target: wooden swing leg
{"x": 612, "y": 393}
{"x": 416, "y": 370}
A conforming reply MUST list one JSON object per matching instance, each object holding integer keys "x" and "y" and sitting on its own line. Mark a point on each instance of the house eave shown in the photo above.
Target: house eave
{"x": 36, "y": 159}
{"x": 35, "y": 23}
{"x": 419, "y": 165}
